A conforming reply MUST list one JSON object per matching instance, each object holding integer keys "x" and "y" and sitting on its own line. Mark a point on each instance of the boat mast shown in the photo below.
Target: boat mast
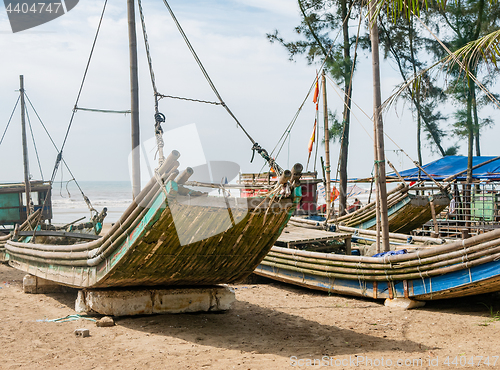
{"x": 27, "y": 183}
{"x": 134, "y": 89}
{"x": 327, "y": 148}
{"x": 379, "y": 127}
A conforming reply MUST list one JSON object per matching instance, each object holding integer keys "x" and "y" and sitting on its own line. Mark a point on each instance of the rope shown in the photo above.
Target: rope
{"x": 456, "y": 60}
{"x": 57, "y": 150}
{"x": 161, "y": 96}
{"x": 385, "y": 133}
{"x": 159, "y": 117}
{"x": 10, "y": 119}
{"x": 103, "y": 110}
{"x": 288, "y": 129}
{"x": 59, "y": 157}
{"x": 349, "y": 95}
{"x": 337, "y": 89}
{"x": 148, "y": 54}
{"x": 69, "y": 318}
{"x": 256, "y": 147}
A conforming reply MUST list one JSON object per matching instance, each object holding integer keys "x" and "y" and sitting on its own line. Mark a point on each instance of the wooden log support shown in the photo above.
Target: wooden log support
{"x": 435, "y": 234}
{"x": 347, "y": 246}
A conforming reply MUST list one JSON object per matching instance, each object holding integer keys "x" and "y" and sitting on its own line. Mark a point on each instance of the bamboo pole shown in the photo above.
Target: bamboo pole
{"x": 27, "y": 184}
{"x": 327, "y": 148}
{"x": 134, "y": 97}
{"x": 379, "y": 138}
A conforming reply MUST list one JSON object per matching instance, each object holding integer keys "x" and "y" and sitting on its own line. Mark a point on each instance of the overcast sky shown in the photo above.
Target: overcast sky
{"x": 254, "y": 77}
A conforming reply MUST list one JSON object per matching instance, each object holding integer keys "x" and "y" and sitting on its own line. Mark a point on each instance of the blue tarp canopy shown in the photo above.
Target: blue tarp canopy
{"x": 451, "y": 165}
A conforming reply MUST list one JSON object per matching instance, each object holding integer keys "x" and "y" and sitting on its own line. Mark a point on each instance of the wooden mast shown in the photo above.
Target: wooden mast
{"x": 327, "y": 149}
{"x": 134, "y": 89}
{"x": 379, "y": 126}
{"x": 27, "y": 183}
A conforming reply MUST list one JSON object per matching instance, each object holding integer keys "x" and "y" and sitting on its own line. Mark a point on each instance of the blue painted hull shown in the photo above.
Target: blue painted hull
{"x": 479, "y": 279}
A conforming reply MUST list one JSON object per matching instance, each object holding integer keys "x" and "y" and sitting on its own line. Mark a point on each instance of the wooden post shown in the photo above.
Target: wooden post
{"x": 134, "y": 89}
{"x": 434, "y": 219}
{"x": 27, "y": 183}
{"x": 377, "y": 118}
{"x": 327, "y": 148}
{"x": 348, "y": 244}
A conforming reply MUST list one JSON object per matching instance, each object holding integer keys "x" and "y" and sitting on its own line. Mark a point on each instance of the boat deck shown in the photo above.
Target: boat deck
{"x": 294, "y": 235}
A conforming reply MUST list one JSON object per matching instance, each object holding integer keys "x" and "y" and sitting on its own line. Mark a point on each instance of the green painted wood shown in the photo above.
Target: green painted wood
{"x": 150, "y": 252}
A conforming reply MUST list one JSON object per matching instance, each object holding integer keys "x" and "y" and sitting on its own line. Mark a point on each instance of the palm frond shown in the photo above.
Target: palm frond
{"x": 486, "y": 48}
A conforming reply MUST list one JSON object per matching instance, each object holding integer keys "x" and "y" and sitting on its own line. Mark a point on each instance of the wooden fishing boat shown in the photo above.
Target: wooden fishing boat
{"x": 171, "y": 234}
{"x": 457, "y": 269}
{"x": 454, "y": 269}
{"x": 407, "y": 210}
{"x": 160, "y": 240}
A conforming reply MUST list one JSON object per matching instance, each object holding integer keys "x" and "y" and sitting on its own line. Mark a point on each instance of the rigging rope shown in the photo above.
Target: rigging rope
{"x": 10, "y": 119}
{"x": 256, "y": 147}
{"x": 34, "y": 143}
{"x": 55, "y": 146}
{"x": 456, "y": 60}
{"x": 159, "y": 117}
{"x": 104, "y": 110}
{"x": 161, "y": 96}
{"x": 349, "y": 93}
{"x": 60, "y": 152}
{"x": 294, "y": 119}
{"x": 59, "y": 156}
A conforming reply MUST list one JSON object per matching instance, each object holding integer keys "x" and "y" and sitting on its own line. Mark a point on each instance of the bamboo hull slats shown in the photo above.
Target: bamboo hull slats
{"x": 165, "y": 239}
{"x": 457, "y": 269}
{"x": 2, "y": 252}
{"x": 407, "y": 212}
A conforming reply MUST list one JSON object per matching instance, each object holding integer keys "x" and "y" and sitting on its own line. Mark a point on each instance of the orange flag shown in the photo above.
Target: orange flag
{"x": 311, "y": 143}
{"x": 335, "y": 194}
{"x": 316, "y": 93}
{"x": 312, "y": 139}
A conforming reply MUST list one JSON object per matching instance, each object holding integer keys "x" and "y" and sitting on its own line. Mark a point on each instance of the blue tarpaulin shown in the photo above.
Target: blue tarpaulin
{"x": 451, "y": 165}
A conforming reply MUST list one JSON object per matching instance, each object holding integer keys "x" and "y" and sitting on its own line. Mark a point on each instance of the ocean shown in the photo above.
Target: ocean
{"x": 68, "y": 204}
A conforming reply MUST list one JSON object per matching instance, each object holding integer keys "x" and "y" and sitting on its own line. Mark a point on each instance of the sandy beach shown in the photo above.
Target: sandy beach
{"x": 271, "y": 326}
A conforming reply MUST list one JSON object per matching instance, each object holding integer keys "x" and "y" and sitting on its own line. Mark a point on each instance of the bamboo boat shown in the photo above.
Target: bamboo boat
{"x": 406, "y": 211}
{"x": 163, "y": 238}
{"x": 171, "y": 234}
{"x": 457, "y": 269}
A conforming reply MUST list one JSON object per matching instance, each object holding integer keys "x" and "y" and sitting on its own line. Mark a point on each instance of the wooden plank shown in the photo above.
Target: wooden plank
{"x": 61, "y": 234}
{"x": 298, "y": 235}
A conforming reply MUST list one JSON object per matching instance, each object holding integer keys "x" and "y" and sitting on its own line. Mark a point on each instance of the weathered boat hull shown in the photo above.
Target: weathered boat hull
{"x": 166, "y": 240}
{"x": 3, "y": 257}
{"x": 452, "y": 270}
{"x": 409, "y": 213}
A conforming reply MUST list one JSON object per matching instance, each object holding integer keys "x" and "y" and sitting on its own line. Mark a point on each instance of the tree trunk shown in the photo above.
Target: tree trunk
{"x": 344, "y": 149}
{"x": 470, "y": 130}
{"x": 423, "y": 119}
{"x": 476, "y": 118}
{"x": 415, "y": 93}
